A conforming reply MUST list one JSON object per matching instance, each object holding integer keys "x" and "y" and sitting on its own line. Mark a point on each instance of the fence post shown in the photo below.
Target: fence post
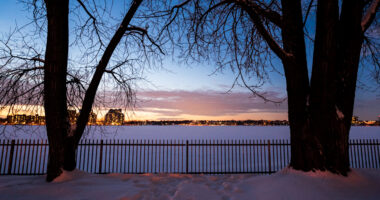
{"x": 11, "y": 157}
{"x": 101, "y": 156}
{"x": 269, "y": 160}
{"x": 187, "y": 156}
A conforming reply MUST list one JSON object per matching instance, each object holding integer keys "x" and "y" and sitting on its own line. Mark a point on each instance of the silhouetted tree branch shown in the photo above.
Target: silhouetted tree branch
{"x": 245, "y": 34}
{"x": 63, "y": 82}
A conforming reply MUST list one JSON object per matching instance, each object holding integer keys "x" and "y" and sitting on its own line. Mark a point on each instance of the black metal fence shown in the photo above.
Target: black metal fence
{"x": 29, "y": 157}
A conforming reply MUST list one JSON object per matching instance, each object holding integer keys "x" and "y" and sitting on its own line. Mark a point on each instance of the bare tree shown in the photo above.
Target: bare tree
{"x": 248, "y": 35}
{"x": 63, "y": 86}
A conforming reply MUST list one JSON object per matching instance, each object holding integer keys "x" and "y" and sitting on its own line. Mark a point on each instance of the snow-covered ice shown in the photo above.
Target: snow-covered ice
{"x": 286, "y": 184}
{"x": 179, "y": 132}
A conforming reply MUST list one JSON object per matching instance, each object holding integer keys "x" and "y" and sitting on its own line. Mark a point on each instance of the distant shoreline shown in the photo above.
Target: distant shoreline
{"x": 374, "y": 125}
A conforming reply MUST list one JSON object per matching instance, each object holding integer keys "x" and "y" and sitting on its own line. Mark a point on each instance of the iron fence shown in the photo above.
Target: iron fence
{"x": 29, "y": 157}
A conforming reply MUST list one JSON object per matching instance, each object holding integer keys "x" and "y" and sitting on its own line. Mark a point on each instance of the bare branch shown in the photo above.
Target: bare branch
{"x": 276, "y": 48}
{"x": 86, "y": 10}
{"x": 144, "y": 32}
{"x": 269, "y": 14}
{"x": 370, "y": 15}
{"x": 100, "y": 69}
{"x": 175, "y": 10}
{"x": 307, "y": 12}
{"x": 93, "y": 21}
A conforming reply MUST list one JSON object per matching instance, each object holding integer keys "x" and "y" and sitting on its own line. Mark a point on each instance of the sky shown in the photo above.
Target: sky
{"x": 192, "y": 91}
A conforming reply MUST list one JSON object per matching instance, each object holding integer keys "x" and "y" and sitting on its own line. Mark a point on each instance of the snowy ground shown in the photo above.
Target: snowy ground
{"x": 286, "y": 184}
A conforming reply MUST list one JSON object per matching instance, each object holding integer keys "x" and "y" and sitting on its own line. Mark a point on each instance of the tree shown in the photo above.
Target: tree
{"x": 55, "y": 102}
{"x": 59, "y": 81}
{"x": 245, "y": 34}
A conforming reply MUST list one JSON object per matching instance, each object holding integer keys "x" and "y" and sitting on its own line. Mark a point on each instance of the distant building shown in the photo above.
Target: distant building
{"x": 40, "y": 120}
{"x": 92, "y": 118}
{"x": 16, "y": 119}
{"x": 35, "y": 119}
{"x": 73, "y": 116}
{"x": 9, "y": 119}
{"x": 114, "y": 117}
{"x": 354, "y": 120}
{"x": 25, "y": 119}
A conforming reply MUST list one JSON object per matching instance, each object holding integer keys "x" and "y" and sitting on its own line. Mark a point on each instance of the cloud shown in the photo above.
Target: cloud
{"x": 367, "y": 108}
{"x": 173, "y": 104}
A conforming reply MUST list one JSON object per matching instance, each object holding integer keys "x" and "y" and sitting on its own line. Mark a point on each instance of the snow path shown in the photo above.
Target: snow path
{"x": 286, "y": 184}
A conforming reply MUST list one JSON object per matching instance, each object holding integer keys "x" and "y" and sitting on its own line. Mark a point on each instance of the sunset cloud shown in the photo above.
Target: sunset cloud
{"x": 208, "y": 105}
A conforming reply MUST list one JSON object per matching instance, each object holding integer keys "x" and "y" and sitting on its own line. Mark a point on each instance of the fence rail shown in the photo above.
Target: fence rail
{"x": 29, "y": 157}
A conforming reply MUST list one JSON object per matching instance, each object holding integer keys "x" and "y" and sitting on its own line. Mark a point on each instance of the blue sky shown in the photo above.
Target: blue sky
{"x": 181, "y": 91}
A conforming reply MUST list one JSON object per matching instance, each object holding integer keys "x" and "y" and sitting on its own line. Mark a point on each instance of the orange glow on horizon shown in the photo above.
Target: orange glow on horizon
{"x": 155, "y": 114}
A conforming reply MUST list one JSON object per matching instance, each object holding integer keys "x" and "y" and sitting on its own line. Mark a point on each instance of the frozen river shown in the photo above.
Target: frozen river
{"x": 172, "y": 149}
{"x": 178, "y": 132}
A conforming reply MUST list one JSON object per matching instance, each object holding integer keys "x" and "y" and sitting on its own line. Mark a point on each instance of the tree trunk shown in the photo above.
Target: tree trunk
{"x": 63, "y": 142}
{"x": 326, "y": 117}
{"x": 349, "y": 46}
{"x": 306, "y": 149}
{"x": 100, "y": 69}
{"x": 70, "y": 148}
{"x": 320, "y": 111}
{"x": 55, "y": 70}
{"x": 320, "y": 130}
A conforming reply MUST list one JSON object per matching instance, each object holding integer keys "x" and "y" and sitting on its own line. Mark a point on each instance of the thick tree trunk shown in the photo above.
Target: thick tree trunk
{"x": 337, "y": 47}
{"x": 305, "y": 154}
{"x": 326, "y": 116}
{"x": 55, "y": 70}
{"x": 320, "y": 130}
{"x": 320, "y": 111}
{"x": 63, "y": 142}
{"x": 349, "y": 46}
{"x": 70, "y": 148}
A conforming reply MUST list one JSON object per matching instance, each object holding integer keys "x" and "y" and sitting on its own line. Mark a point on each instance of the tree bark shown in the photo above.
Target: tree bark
{"x": 55, "y": 70}
{"x": 320, "y": 111}
{"x": 324, "y": 137}
{"x": 325, "y": 115}
{"x": 70, "y": 148}
{"x": 306, "y": 149}
{"x": 63, "y": 142}
{"x": 349, "y": 46}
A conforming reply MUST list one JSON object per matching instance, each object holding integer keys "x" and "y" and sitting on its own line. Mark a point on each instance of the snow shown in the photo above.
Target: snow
{"x": 179, "y": 132}
{"x": 286, "y": 184}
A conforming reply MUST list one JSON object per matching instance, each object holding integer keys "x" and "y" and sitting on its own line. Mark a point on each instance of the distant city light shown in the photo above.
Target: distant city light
{"x": 115, "y": 117}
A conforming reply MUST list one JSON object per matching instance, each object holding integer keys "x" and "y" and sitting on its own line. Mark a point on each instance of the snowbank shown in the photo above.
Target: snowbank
{"x": 286, "y": 184}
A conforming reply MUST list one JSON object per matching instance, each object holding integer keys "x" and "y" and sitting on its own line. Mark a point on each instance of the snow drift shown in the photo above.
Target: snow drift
{"x": 286, "y": 184}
